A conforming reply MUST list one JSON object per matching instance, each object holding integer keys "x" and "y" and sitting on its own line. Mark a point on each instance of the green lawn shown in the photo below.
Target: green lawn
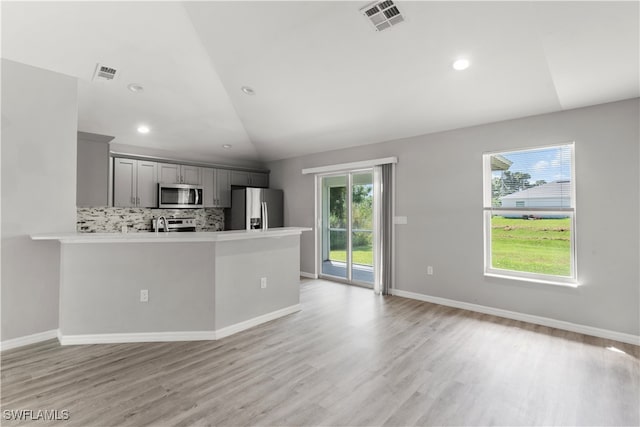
{"x": 361, "y": 255}
{"x": 536, "y": 246}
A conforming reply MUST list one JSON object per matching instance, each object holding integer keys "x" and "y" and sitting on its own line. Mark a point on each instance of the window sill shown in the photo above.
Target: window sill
{"x": 532, "y": 280}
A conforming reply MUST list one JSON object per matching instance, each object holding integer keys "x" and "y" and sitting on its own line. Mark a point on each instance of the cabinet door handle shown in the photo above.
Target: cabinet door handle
{"x": 133, "y": 201}
{"x": 138, "y": 201}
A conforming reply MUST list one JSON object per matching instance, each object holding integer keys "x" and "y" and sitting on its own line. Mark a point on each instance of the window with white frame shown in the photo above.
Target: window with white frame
{"x": 529, "y": 214}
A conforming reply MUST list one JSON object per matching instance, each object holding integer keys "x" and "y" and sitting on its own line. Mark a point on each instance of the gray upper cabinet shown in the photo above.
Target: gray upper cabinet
{"x": 250, "y": 179}
{"x": 147, "y": 184}
{"x": 124, "y": 182}
{"x": 92, "y": 183}
{"x": 259, "y": 179}
{"x": 208, "y": 189}
{"x": 217, "y": 187}
{"x": 190, "y": 175}
{"x": 223, "y": 186}
{"x": 240, "y": 178}
{"x": 170, "y": 173}
{"x": 134, "y": 183}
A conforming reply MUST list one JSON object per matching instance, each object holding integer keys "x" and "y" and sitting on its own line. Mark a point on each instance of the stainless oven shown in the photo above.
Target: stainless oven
{"x": 174, "y": 224}
{"x": 179, "y": 196}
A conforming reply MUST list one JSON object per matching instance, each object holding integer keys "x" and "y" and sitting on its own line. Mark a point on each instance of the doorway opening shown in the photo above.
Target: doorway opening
{"x": 348, "y": 232}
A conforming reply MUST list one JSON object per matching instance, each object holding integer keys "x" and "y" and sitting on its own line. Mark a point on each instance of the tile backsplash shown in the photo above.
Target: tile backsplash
{"x": 111, "y": 220}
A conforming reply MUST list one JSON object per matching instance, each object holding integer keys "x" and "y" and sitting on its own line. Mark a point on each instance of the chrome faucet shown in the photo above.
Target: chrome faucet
{"x": 166, "y": 229}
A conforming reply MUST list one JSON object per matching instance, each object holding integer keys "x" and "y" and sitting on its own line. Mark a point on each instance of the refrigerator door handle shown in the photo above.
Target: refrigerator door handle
{"x": 265, "y": 216}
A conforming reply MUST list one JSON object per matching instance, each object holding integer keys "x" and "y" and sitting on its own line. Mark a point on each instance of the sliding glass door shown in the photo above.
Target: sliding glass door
{"x": 347, "y": 227}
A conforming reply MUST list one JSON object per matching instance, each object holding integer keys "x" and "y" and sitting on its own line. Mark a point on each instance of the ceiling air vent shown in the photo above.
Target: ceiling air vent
{"x": 382, "y": 14}
{"x": 104, "y": 73}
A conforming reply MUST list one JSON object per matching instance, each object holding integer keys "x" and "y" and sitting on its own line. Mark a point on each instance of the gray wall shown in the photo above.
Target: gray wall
{"x": 100, "y": 291}
{"x": 192, "y": 286}
{"x": 239, "y": 266}
{"x": 39, "y": 124}
{"x": 93, "y": 170}
{"x": 439, "y": 189}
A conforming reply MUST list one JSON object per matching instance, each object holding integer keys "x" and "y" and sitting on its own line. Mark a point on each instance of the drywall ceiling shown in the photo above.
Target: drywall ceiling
{"x": 323, "y": 77}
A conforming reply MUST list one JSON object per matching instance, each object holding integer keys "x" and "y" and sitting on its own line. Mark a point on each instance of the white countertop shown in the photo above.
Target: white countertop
{"x": 151, "y": 237}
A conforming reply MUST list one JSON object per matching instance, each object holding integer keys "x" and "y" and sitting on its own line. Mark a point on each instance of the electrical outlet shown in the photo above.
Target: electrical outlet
{"x": 429, "y": 270}
{"x": 263, "y": 282}
{"x": 144, "y": 295}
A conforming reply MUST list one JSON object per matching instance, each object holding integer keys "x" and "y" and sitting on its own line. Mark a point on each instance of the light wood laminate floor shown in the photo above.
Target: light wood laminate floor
{"x": 348, "y": 358}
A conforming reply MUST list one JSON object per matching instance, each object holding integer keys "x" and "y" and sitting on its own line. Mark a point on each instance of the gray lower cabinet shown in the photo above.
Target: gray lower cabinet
{"x": 217, "y": 187}
{"x": 135, "y": 183}
{"x": 250, "y": 179}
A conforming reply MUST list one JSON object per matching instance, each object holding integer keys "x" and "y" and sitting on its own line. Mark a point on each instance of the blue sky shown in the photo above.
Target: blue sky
{"x": 549, "y": 164}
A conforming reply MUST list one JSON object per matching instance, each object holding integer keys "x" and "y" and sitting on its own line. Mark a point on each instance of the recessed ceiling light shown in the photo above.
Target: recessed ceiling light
{"x": 143, "y": 129}
{"x": 247, "y": 90}
{"x": 461, "y": 64}
{"x": 227, "y": 146}
{"x": 135, "y": 87}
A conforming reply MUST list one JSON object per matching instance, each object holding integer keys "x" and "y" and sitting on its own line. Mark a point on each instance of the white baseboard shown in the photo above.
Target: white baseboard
{"x": 29, "y": 339}
{"x": 529, "y": 318}
{"x": 174, "y": 336}
{"x": 136, "y": 337}
{"x": 308, "y": 275}
{"x": 238, "y": 327}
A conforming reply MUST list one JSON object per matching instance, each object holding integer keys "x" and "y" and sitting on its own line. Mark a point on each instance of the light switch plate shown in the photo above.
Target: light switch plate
{"x": 399, "y": 219}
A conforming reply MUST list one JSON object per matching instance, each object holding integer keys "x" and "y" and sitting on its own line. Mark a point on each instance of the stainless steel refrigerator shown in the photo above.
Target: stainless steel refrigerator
{"x": 255, "y": 208}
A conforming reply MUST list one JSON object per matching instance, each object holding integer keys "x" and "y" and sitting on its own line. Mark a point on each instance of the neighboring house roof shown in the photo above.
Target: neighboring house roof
{"x": 500, "y": 163}
{"x": 544, "y": 191}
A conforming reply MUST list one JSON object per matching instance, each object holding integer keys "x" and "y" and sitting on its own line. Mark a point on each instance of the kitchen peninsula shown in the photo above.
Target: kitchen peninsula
{"x": 197, "y": 285}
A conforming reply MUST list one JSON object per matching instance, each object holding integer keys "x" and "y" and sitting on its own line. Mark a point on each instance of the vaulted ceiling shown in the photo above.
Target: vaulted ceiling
{"x": 323, "y": 77}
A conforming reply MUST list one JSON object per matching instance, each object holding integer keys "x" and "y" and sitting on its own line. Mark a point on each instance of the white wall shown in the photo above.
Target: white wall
{"x": 439, "y": 189}
{"x": 39, "y": 124}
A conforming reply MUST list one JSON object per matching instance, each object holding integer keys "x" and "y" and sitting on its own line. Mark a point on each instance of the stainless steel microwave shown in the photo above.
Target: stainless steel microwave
{"x": 179, "y": 196}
